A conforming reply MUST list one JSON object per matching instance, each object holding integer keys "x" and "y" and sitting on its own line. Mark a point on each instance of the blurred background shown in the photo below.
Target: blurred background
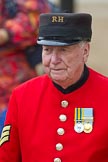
{"x": 99, "y": 45}
{"x": 20, "y": 55}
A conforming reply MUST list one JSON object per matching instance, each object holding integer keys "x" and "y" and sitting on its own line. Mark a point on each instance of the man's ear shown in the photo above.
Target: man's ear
{"x": 86, "y": 52}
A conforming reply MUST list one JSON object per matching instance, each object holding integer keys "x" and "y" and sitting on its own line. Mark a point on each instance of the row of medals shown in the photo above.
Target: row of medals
{"x": 83, "y": 127}
{"x": 86, "y": 125}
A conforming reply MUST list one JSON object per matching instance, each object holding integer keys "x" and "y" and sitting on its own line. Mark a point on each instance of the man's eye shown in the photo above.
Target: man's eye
{"x": 63, "y": 49}
{"x": 46, "y": 49}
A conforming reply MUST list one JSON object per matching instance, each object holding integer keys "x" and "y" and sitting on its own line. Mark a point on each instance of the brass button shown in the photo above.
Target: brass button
{"x": 59, "y": 146}
{"x": 60, "y": 131}
{"x": 63, "y": 117}
{"x": 64, "y": 103}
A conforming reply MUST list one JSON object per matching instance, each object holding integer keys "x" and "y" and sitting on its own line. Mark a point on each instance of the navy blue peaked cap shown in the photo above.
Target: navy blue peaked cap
{"x": 60, "y": 29}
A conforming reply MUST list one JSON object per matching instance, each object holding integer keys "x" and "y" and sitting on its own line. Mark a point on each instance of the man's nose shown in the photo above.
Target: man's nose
{"x": 55, "y": 57}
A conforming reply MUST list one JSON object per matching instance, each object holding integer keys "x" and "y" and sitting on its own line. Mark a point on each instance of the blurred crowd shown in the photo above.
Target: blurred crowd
{"x": 20, "y": 56}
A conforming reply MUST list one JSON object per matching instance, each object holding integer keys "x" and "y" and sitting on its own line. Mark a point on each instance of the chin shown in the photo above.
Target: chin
{"x": 57, "y": 78}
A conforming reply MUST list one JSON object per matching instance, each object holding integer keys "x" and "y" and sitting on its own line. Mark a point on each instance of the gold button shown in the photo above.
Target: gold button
{"x": 59, "y": 146}
{"x": 57, "y": 160}
{"x": 64, "y": 103}
{"x": 60, "y": 131}
{"x": 63, "y": 117}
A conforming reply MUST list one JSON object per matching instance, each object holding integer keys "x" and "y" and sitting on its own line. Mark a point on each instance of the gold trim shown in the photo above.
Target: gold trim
{"x": 4, "y": 140}
{"x": 6, "y": 133}
{"x": 6, "y": 128}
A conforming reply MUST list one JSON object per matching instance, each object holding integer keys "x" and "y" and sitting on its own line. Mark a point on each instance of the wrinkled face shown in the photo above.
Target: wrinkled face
{"x": 65, "y": 64}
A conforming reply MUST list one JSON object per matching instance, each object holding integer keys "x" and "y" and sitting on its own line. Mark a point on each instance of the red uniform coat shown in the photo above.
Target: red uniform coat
{"x": 31, "y": 128}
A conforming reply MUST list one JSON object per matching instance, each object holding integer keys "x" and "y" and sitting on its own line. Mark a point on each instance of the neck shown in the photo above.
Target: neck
{"x": 75, "y": 85}
{"x": 71, "y": 80}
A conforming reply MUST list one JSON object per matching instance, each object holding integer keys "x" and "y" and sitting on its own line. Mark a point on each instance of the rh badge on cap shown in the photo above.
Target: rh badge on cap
{"x": 83, "y": 120}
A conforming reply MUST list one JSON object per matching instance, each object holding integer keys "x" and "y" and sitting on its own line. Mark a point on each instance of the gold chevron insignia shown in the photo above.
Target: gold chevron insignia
{"x": 5, "y": 134}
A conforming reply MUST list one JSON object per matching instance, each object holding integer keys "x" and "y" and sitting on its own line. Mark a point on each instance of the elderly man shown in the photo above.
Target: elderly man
{"x": 62, "y": 115}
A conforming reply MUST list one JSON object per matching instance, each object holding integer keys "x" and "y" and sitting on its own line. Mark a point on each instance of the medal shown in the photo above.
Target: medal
{"x": 87, "y": 127}
{"x": 88, "y": 120}
{"x": 79, "y": 127}
{"x": 83, "y": 120}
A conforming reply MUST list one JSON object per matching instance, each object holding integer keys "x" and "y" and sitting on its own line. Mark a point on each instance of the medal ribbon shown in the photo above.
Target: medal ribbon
{"x": 83, "y": 115}
{"x": 79, "y": 113}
